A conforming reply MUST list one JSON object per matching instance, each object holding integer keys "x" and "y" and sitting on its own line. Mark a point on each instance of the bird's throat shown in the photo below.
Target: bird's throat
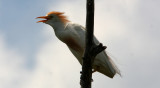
{"x": 58, "y": 26}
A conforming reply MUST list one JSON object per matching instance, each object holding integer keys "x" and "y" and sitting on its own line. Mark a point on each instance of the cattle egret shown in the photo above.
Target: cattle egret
{"x": 73, "y": 35}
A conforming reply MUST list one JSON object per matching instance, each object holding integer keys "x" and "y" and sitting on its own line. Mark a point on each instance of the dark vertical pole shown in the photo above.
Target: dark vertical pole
{"x": 91, "y": 49}
{"x": 87, "y": 60}
{"x": 89, "y": 23}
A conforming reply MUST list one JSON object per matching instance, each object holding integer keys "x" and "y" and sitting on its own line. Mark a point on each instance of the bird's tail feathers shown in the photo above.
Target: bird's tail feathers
{"x": 114, "y": 66}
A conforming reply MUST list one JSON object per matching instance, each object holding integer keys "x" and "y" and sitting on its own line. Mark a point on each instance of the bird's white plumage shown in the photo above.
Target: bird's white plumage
{"x": 73, "y": 35}
{"x": 102, "y": 62}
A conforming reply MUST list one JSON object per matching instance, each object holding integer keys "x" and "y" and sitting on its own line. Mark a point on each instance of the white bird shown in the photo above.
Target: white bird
{"x": 73, "y": 35}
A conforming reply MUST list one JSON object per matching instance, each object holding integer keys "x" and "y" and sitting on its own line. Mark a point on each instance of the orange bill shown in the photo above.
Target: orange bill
{"x": 43, "y": 17}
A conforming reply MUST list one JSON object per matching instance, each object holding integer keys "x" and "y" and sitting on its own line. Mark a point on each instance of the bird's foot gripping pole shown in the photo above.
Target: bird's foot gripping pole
{"x": 96, "y": 49}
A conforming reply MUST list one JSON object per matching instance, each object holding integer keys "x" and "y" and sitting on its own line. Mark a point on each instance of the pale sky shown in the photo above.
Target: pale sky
{"x": 32, "y": 57}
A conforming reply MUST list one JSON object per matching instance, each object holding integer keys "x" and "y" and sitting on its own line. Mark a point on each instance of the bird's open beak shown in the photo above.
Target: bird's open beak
{"x": 43, "y": 17}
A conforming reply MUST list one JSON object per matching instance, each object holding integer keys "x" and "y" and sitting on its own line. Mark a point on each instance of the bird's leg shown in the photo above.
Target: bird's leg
{"x": 94, "y": 70}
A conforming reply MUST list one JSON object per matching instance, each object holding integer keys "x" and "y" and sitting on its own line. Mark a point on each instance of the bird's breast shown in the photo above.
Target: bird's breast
{"x": 74, "y": 44}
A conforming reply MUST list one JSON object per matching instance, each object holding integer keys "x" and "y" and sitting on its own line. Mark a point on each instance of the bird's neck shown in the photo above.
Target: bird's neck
{"x": 59, "y": 29}
{"x": 58, "y": 26}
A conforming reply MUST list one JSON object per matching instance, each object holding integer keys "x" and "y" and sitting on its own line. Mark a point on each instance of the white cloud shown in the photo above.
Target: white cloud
{"x": 12, "y": 73}
{"x": 56, "y": 67}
